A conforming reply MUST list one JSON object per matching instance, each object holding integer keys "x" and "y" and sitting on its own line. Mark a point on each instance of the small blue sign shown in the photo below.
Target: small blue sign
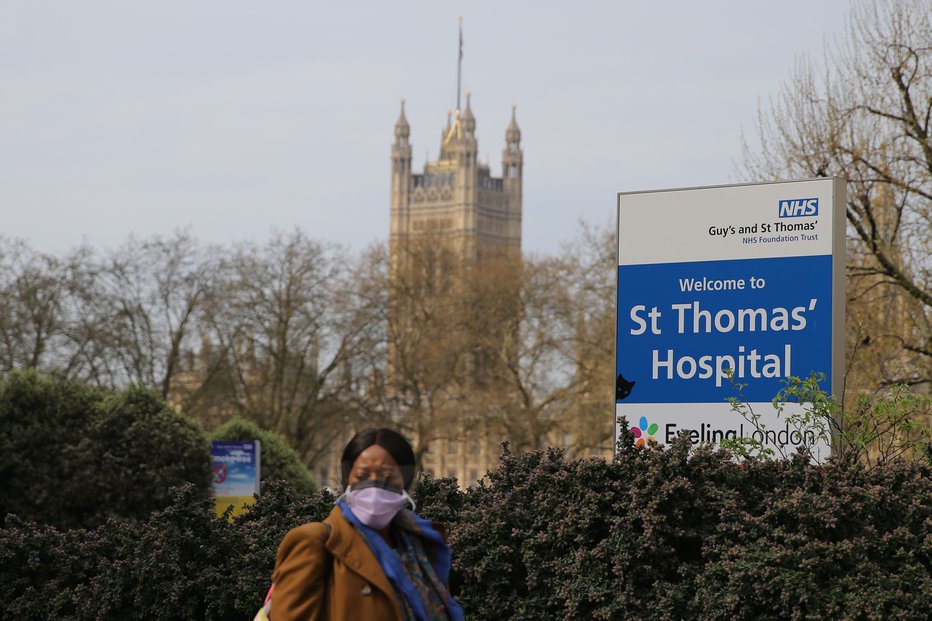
{"x": 798, "y": 208}
{"x": 236, "y": 468}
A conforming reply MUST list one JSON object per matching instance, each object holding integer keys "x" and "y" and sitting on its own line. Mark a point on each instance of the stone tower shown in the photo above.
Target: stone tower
{"x": 454, "y": 215}
{"x": 456, "y": 197}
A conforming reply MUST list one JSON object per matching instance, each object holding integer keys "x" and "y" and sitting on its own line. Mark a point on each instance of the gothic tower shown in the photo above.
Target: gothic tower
{"x": 456, "y": 197}
{"x": 455, "y": 233}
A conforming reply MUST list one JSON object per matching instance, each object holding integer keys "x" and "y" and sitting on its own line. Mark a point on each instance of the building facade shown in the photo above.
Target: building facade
{"x": 455, "y": 203}
{"x": 456, "y": 197}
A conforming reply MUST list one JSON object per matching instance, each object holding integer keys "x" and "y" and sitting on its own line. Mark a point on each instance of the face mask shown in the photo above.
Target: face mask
{"x": 374, "y": 504}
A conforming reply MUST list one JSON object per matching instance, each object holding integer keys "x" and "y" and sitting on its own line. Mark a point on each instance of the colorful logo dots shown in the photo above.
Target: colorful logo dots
{"x": 644, "y": 432}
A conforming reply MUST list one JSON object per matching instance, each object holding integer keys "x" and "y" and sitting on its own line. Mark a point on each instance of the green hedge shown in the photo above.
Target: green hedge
{"x": 654, "y": 534}
{"x": 72, "y": 456}
{"x": 682, "y": 534}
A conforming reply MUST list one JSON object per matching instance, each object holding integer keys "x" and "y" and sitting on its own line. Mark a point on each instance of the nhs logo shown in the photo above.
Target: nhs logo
{"x": 797, "y": 207}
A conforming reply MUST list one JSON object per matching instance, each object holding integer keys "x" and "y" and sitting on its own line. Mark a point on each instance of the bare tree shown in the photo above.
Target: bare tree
{"x": 48, "y": 313}
{"x": 305, "y": 341}
{"x": 528, "y": 321}
{"x": 30, "y": 304}
{"x": 555, "y": 360}
{"x": 151, "y": 298}
{"x": 865, "y": 115}
{"x": 284, "y": 339}
{"x": 500, "y": 349}
{"x": 591, "y": 274}
{"x": 425, "y": 344}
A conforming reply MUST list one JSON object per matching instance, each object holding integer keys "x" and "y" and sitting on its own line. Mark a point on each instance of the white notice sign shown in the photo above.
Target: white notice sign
{"x": 744, "y": 281}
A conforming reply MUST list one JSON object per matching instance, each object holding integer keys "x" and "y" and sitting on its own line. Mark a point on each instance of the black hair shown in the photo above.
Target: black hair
{"x": 390, "y": 440}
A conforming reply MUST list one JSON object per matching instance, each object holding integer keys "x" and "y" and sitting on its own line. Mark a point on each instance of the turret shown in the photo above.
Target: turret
{"x": 401, "y": 161}
{"x": 446, "y": 129}
{"x": 467, "y": 153}
{"x": 469, "y": 120}
{"x": 513, "y": 158}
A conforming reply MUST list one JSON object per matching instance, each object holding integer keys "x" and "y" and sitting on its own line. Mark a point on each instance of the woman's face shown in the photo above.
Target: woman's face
{"x": 376, "y": 464}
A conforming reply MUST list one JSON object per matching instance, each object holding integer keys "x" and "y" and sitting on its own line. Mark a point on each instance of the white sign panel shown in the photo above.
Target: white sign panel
{"x": 741, "y": 280}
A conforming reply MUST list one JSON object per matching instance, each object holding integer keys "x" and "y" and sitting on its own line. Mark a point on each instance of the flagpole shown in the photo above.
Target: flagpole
{"x": 459, "y": 67}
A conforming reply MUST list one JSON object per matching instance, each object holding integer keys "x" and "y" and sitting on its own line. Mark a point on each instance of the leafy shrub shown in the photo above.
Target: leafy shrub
{"x": 654, "y": 534}
{"x": 280, "y": 462}
{"x": 680, "y": 533}
{"x": 885, "y": 426}
{"x": 44, "y": 568}
{"x": 40, "y": 422}
{"x": 850, "y": 542}
{"x": 251, "y": 544}
{"x": 139, "y": 447}
{"x": 182, "y": 562}
{"x": 72, "y": 455}
{"x": 438, "y": 499}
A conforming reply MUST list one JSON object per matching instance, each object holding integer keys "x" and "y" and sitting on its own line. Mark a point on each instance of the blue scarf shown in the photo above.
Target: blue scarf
{"x": 438, "y": 552}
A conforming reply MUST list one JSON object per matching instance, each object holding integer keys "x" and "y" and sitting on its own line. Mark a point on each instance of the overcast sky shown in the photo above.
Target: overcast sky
{"x": 234, "y": 118}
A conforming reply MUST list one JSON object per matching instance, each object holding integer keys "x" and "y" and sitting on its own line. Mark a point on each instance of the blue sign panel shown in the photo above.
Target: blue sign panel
{"x": 236, "y": 468}
{"x": 684, "y": 327}
{"x": 727, "y": 292}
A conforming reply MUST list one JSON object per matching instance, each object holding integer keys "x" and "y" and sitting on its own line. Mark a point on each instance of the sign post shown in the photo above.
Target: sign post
{"x": 726, "y": 286}
{"x": 237, "y": 473}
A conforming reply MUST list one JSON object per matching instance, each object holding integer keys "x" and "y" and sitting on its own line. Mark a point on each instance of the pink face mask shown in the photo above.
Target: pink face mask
{"x": 376, "y": 506}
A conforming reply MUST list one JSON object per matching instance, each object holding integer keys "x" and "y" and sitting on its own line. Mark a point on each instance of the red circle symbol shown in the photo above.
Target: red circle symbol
{"x": 220, "y": 473}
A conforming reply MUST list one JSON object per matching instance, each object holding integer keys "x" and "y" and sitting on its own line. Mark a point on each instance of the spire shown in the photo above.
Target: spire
{"x": 513, "y": 133}
{"x": 401, "y": 162}
{"x": 446, "y": 131}
{"x": 454, "y": 134}
{"x": 512, "y": 158}
{"x": 469, "y": 120}
{"x": 402, "y": 129}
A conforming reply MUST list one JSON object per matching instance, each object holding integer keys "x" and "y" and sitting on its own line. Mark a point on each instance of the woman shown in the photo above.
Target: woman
{"x": 370, "y": 559}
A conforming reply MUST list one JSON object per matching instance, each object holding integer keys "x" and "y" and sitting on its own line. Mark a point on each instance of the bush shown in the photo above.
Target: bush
{"x": 44, "y": 569}
{"x": 848, "y": 543}
{"x": 41, "y": 421}
{"x": 654, "y": 534}
{"x": 183, "y": 562}
{"x": 280, "y": 462}
{"x": 253, "y": 542}
{"x": 140, "y": 447}
{"x": 680, "y": 534}
{"x": 73, "y": 456}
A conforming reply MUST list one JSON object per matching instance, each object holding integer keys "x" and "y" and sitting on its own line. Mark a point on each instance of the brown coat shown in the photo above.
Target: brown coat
{"x": 331, "y": 576}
